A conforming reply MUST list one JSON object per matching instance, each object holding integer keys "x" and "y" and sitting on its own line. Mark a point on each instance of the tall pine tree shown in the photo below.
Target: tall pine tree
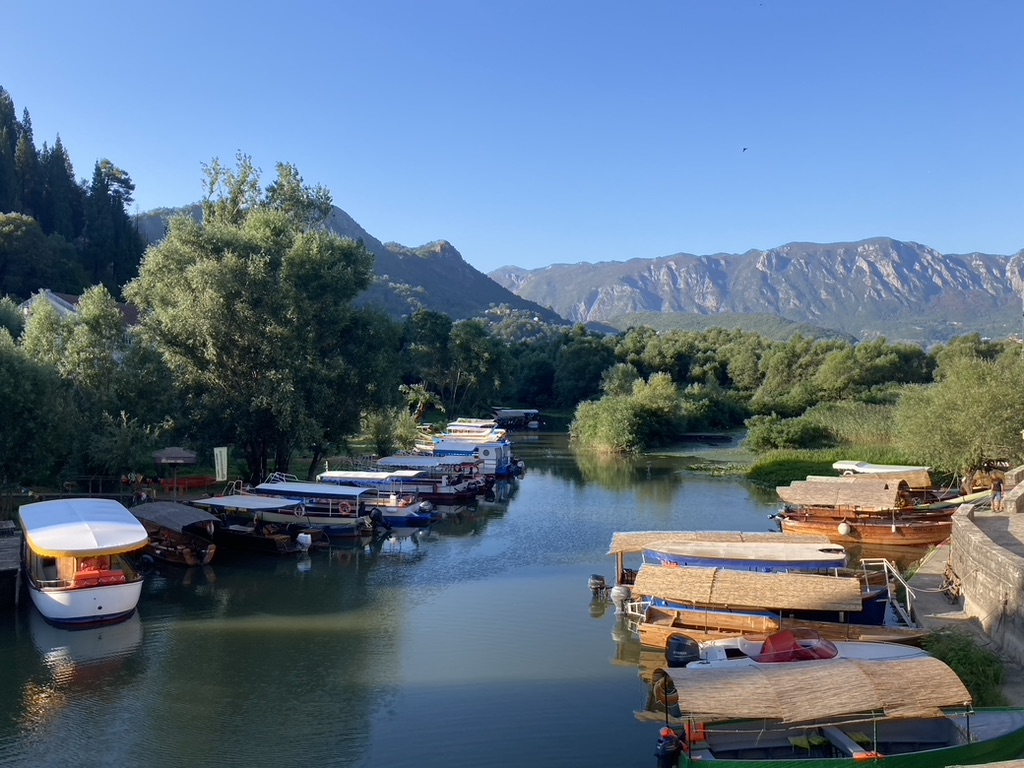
{"x": 10, "y": 201}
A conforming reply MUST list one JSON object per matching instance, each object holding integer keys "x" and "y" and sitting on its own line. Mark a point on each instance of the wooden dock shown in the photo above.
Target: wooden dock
{"x": 10, "y": 565}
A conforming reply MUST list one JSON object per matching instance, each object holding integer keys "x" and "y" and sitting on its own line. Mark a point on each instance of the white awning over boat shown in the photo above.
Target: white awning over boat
{"x": 247, "y": 502}
{"x": 80, "y": 527}
{"x": 425, "y": 462}
{"x": 312, "y": 490}
{"x": 863, "y": 467}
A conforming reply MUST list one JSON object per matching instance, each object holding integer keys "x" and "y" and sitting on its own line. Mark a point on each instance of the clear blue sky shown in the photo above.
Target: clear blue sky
{"x": 533, "y": 133}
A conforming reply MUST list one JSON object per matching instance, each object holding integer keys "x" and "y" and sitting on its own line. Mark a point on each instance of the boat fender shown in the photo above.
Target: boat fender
{"x": 666, "y": 695}
{"x": 843, "y": 528}
{"x": 696, "y": 732}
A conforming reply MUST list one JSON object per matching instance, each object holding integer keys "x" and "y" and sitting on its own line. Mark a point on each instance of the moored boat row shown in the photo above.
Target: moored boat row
{"x": 767, "y": 665}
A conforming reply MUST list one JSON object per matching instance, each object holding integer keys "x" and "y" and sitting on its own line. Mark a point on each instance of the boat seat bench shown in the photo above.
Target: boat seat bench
{"x": 704, "y": 755}
{"x": 843, "y": 742}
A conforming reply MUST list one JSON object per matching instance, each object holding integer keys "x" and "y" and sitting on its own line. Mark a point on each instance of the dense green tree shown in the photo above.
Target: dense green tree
{"x": 26, "y": 163}
{"x": 10, "y": 198}
{"x": 425, "y": 351}
{"x": 533, "y": 381}
{"x": 579, "y": 365}
{"x": 252, "y": 311}
{"x": 971, "y": 346}
{"x": 974, "y": 413}
{"x": 106, "y": 379}
{"x": 34, "y": 413}
{"x": 619, "y": 379}
{"x": 788, "y": 371}
{"x": 609, "y": 425}
{"x": 631, "y": 347}
{"x": 11, "y": 318}
{"x": 63, "y": 207}
{"x": 112, "y": 244}
{"x": 477, "y": 368}
{"x": 120, "y": 445}
{"x": 29, "y": 260}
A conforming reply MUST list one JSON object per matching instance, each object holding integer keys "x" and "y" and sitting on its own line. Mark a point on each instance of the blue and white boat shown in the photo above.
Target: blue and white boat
{"x": 75, "y": 560}
{"x": 448, "y": 490}
{"x": 346, "y": 510}
{"x": 777, "y": 556}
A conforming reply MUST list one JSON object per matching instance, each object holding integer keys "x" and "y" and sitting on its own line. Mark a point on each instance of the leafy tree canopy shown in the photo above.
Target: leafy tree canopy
{"x": 252, "y": 311}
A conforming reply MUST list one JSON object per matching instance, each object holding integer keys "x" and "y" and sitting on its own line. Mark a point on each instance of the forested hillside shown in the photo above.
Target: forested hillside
{"x": 56, "y": 231}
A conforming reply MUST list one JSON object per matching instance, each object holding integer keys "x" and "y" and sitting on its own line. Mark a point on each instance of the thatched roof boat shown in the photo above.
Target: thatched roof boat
{"x": 918, "y": 686}
{"x": 723, "y": 587}
{"x": 863, "y": 494}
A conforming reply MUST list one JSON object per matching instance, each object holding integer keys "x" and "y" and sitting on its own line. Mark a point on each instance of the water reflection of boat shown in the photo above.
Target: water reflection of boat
{"x": 73, "y": 656}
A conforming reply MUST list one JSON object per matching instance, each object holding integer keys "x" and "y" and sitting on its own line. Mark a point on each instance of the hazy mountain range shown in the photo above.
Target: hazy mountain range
{"x": 880, "y": 286}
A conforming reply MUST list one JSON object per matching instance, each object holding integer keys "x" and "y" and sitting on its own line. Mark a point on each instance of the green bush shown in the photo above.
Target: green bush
{"x": 980, "y": 670}
{"x": 766, "y": 433}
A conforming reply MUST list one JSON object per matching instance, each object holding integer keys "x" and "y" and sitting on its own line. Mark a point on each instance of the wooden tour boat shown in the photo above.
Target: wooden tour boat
{"x": 904, "y": 530}
{"x": 178, "y": 534}
{"x": 901, "y": 712}
{"x": 769, "y": 556}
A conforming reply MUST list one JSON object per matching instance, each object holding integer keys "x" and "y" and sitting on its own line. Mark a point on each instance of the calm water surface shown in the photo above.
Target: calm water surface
{"x": 473, "y": 644}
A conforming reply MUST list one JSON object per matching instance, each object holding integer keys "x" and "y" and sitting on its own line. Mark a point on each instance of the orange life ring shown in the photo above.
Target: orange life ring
{"x": 344, "y": 508}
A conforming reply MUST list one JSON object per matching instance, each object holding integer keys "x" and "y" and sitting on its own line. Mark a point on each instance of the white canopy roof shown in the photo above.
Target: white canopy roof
{"x": 80, "y": 527}
{"x": 247, "y": 502}
{"x": 426, "y": 462}
{"x": 311, "y": 490}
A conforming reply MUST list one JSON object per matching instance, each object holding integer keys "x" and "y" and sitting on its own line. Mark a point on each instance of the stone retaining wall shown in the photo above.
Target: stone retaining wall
{"x": 992, "y": 582}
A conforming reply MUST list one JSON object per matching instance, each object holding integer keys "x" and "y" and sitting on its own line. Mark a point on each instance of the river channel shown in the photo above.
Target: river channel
{"x": 475, "y": 643}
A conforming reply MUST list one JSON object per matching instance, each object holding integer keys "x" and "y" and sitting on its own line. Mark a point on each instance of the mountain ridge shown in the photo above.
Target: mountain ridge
{"x": 433, "y": 276}
{"x": 871, "y": 287}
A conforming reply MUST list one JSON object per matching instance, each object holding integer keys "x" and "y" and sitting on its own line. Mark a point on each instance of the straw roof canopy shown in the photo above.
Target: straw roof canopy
{"x": 800, "y": 692}
{"x": 633, "y": 543}
{"x": 751, "y": 589}
{"x": 868, "y": 494}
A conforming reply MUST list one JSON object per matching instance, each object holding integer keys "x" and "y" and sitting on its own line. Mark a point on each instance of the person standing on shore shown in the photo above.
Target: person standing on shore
{"x": 997, "y": 493}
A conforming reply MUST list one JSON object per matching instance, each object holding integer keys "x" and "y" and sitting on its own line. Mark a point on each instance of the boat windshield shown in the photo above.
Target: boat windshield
{"x": 790, "y": 645}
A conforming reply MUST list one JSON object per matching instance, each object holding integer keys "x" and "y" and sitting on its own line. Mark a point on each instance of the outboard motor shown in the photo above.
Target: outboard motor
{"x": 377, "y": 519}
{"x": 620, "y": 596}
{"x": 597, "y": 584}
{"x": 680, "y": 650}
{"x": 669, "y": 749}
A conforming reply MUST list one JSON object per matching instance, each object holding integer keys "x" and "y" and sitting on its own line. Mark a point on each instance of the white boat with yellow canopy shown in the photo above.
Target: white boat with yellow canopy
{"x": 75, "y": 561}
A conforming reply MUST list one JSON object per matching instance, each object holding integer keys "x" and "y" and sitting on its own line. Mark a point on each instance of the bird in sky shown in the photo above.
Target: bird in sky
{"x": 744, "y": 149}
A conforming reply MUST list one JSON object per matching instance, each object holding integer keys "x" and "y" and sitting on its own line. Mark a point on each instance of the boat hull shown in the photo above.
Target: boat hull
{"x": 774, "y": 557}
{"x": 659, "y": 624}
{"x": 86, "y": 605}
{"x": 874, "y": 531}
{"x": 903, "y": 744}
{"x": 179, "y": 547}
{"x": 334, "y": 526}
